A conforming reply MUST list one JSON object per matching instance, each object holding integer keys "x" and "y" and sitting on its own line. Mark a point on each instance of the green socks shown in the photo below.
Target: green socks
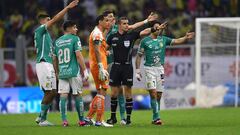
{"x": 154, "y": 105}
{"x": 79, "y": 107}
{"x": 63, "y": 107}
{"x": 44, "y": 110}
{"x": 121, "y": 102}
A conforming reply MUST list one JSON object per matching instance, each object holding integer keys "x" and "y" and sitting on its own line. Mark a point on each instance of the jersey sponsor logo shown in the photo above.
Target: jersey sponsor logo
{"x": 126, "y": 43}
{"x": 114, "y": 38}
{"x": 63, "y": 42}
{"x": 114, "y": 44}
{"x": 129, "y": 80}
{"x": 150, "y": 46}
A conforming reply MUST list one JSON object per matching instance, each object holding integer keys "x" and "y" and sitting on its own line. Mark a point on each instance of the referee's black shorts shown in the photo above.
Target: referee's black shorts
{"x": 121, "y": 74}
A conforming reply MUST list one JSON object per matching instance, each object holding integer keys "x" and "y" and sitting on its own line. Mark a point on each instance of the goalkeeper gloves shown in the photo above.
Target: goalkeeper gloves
{"x": 138, "y": 74}
{"x": 103, "y": 74}
{"x": 85, "y": 75}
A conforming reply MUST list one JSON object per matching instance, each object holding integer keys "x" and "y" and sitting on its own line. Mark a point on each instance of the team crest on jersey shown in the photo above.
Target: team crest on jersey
{"x": 126, "y": 43}
{"x": 161, "y": 44}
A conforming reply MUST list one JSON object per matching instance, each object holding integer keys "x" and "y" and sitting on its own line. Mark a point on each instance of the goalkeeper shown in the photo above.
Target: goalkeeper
{"x": 153, "y": 48}
{"x": 98, "y": 67}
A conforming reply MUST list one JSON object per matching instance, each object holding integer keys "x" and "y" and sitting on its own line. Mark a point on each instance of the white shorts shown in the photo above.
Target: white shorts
{"x": 46, "y": 76}
{"x": 154, "y": 78}
{"x": 75, "y": 83}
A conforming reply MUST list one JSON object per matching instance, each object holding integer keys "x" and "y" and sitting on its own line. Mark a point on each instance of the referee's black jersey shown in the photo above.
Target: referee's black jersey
{"x": 122, "y": 45}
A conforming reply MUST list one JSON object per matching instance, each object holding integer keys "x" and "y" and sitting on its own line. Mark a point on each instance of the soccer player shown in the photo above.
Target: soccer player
{"x": 66, "y": 60}
{"x": 98, "y": 67}
{"x": 44, "y": 67}
{"x": 120, "y": 98}
{"x": 121, "y": 74}
{"x": 153, "y": 48}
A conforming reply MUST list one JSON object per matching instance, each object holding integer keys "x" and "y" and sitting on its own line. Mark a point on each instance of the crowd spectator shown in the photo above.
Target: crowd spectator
{"x": 19, "y": 16}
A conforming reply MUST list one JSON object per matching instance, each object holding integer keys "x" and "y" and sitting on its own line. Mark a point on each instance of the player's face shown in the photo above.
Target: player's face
{"x": 157, "y": 28}
{"x": 111, "y": 19}
{"x": 73, "y": 29}
{"x": 124, "y": 25}
{"x": 105, "y": 23}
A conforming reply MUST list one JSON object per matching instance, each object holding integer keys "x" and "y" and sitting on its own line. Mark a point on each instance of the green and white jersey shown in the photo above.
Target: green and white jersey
{"x": 65, "y": 48}
{"x": 43, "y": 44}
{"x": 154, "y": 50}
{"x": 113, "y": 30}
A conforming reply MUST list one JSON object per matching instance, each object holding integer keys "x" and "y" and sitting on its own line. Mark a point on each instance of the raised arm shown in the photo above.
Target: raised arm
{"x": 189, "y": 35}
{"x": 61, "y": 13}
{"x": 147, "y": 31}
{"x": 151, "y": 17}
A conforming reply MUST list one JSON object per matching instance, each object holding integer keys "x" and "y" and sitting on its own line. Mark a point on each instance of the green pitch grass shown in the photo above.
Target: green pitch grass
{"x": 217, "y": 121}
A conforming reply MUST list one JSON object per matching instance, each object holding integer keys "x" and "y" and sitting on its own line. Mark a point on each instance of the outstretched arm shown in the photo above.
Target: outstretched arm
{"x": 61, "y": 13}
{"x": 189, "y": 35}
{"x": 147, "y": 31}
{"x": 151, "y": 17}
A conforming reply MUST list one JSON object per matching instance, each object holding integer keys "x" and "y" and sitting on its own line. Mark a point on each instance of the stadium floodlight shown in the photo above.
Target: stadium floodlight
{"x": 217, "y": 42}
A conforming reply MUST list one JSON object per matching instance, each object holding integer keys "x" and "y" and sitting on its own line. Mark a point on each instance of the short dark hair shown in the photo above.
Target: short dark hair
{"x": 67, "y": 24}
{"x": 100, "y": 18}
{"x": 155, "y": 22}
{"x": 121, "y": 18}
{"x": 109, "y": 12}
{"x": 42, "y": 16}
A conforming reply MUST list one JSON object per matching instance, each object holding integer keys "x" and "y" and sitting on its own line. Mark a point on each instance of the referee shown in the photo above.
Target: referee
{"x": 121, "y": 73}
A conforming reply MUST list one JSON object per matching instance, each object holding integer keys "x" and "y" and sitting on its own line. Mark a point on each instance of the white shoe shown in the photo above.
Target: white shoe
{"x": 105, "y": 124}
{"x": 93, "y": 121}
{"x": 123, "y": 122}
{"x": 37, "y": 120}
{"x": 90, "y": 121}
{"x": 45, "y": 123}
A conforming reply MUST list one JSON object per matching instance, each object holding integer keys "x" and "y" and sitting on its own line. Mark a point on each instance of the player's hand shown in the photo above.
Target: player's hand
{"x": 109, "y": 53}
{"x": 103, "y": 74}
{"x": 73, "y": 4}
{"x": 163, "y": 25}
{"x": 190, "y": 35}
{"x": 85, "y": 75}
{"x": 152, "y": 17}
{"x": 138, "y": 74}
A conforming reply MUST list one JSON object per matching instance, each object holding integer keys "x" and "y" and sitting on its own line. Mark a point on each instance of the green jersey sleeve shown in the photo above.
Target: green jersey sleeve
{"x": 41, "y": 29}
{"x": 168, "y": 40}
{"x": 78, "y": 45}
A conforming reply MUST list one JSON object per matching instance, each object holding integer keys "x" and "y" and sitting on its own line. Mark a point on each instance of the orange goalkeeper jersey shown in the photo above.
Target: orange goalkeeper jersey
{"x": 97, "y": 35}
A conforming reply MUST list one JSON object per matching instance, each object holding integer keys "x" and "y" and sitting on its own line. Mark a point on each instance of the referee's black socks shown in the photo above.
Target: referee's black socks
{"x": 114, "y": 103}
{"x": 129, "y": 107}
